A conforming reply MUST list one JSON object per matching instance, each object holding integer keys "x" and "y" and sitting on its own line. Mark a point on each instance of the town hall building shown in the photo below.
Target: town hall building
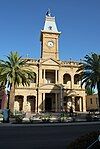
{"x": 56, "y": 86}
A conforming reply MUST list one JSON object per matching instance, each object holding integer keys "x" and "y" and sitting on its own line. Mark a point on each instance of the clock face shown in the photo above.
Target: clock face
{"x": 50, "y": 44}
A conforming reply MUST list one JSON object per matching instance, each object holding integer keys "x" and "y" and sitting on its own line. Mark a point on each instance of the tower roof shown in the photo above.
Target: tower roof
{"x": 50, "y": 23}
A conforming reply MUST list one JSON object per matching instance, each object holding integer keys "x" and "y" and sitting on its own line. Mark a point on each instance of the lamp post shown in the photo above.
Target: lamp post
{"x": 8, "y": 110}
{"x": 61, "y": 97}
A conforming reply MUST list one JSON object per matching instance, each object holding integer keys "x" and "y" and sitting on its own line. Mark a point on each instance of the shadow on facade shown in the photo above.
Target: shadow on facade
{"x": 59, "y": 99}
{"x": 27, "y": 105}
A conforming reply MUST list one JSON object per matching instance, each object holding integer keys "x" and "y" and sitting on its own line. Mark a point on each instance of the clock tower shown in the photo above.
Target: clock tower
{"x": 49, "y": 38}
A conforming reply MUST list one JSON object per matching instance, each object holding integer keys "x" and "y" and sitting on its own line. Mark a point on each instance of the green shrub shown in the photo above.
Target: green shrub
{"x": 18, "y": 118}
{"x": 46, "y": 117}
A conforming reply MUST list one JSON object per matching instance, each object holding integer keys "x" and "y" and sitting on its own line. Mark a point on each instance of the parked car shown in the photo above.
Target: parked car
{"x": 35, "y": 119}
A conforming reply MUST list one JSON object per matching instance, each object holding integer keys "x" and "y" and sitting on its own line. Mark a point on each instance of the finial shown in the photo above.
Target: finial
{"x": 48, "y": 13}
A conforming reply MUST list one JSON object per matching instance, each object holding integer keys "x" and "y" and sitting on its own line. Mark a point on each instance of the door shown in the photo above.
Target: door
{"x": 48, "y": 104}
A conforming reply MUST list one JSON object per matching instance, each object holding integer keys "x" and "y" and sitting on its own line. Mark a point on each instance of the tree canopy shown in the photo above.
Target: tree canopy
{"x": 15, "y": 71}
{"x": 90, "y": 72}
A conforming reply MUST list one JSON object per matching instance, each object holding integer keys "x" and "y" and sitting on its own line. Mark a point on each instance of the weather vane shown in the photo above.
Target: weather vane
{"x": 48, "y": 13}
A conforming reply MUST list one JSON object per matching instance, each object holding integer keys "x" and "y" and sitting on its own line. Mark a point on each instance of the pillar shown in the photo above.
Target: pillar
{"x": 72, "y": 82}
{"x": 59, "y": 102}
{"x": 36, "y": 102}
{"x": 84, "y": 104}
{"x": 25, "y": 104}
{"x": 80, "y": 104}
{"x": 39, "y": 76}
{"x": 56, "y": 76}
{"x": 43, "y": 102}
{"x": 56, "y": 103}
{"x": 39, "y": 101}
{"x": 61, "y": 97}
{"x": 44, "y": 77}
{"x": 73, "y": 103}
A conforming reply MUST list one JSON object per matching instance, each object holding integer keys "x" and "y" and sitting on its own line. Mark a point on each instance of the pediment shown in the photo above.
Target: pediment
{"x": 50, "y": 61}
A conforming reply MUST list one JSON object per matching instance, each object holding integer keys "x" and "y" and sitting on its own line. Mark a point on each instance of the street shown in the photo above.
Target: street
{"x": 42, "y": 137}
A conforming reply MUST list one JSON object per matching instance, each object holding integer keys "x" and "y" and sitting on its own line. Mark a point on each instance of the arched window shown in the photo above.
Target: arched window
{"x": 31, "y": 101}
{"x": 66, "y": 78}
{"x": 18, "y": 102}
{"x": 76, "y": 79}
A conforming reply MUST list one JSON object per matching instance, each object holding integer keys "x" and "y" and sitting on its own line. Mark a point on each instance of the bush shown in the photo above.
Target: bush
{"x": 46, "y": 118}
{"x": 84, "y": 141}
{"x": 18, "y": 118}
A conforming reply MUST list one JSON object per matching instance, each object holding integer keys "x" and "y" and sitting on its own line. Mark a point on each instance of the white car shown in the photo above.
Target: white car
{"x": 35, "y": 119}
{"x": 25, "y": 119}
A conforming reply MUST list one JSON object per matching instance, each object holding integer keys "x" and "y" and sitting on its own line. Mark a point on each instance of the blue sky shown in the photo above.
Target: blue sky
{"x": 22, "y": 20}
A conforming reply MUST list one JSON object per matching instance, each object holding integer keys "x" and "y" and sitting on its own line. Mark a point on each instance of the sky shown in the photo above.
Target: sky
{"x": 21, "y": 22}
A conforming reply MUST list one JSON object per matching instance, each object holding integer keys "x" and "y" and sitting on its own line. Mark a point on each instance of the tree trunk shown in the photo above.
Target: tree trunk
{"x": 98, "y": 88}
{"x": 12, "y": 98}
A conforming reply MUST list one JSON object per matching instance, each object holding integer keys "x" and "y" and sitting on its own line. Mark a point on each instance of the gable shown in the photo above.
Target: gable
{"x": 50, "y": 62}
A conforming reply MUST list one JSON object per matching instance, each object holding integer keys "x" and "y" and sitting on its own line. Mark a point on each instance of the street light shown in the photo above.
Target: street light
{"x": 61, "y": 96}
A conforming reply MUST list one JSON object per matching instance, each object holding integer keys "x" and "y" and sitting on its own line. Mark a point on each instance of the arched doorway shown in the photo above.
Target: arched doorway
{"x": 67, "y": 103}
{"x": 31, "y": 100}
{"x": 18, "y": 104}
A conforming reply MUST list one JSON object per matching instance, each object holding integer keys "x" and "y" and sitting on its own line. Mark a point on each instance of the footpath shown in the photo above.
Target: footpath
{"x": 48, "y": 124}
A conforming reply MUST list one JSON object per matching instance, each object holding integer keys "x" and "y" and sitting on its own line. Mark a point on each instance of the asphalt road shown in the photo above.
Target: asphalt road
{"x": 42, "y": 137}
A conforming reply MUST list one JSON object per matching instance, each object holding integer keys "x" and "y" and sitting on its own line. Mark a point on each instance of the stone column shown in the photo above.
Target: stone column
{"x": 39, "y": 76}
{"x": 72, "y": 82}
{"x": 56, "y": 103}
{"x": 73, "y": 103}
{"x": 43, "y": 102}
{"x": 56, "y": 76}
{"x": 84, "y": 104}
{"x": 57, "y": 51}
{"x": 36, "y": 104}
{"x": 61, "y": 98}
{"x": 80, "y": 104}
{"x": 39, "y": 101}
{"x": 25, "y": 104}
{"x": 59, "y": 103}
{"x": 44, "y": 77}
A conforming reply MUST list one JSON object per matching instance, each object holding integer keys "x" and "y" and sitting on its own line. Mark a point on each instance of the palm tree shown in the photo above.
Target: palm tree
{"x": 90, "y": 72}
{"x": 89, "y": 90}
{"x": 13, "y": 72}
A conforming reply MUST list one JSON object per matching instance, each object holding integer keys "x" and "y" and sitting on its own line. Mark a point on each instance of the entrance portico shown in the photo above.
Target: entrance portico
{"x": 50, "y": 102}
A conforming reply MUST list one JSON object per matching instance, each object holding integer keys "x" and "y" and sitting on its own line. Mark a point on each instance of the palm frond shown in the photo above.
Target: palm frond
{"x": 90, "y": 70}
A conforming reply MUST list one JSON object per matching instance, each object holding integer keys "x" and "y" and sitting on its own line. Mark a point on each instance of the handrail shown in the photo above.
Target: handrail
{"x": 93, "y": 142}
